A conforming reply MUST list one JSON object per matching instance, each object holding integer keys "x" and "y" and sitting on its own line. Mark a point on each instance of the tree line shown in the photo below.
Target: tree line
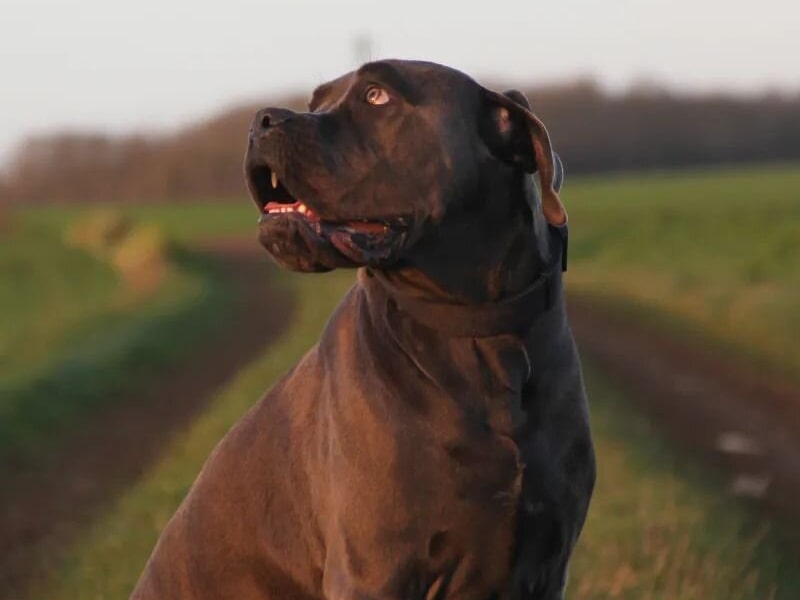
{"x": 593, "y": 130}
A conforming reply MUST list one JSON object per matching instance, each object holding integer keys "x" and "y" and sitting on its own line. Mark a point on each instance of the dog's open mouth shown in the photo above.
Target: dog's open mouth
{"x": 271, "y": 195}
{"x": 370, "y": 240}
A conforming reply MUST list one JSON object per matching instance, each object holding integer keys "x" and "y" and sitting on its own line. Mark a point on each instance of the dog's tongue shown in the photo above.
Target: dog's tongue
{"x": 366, "y": 226}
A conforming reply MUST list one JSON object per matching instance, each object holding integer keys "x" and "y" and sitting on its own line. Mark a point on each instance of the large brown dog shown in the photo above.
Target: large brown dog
{"x": 435, "y": 443}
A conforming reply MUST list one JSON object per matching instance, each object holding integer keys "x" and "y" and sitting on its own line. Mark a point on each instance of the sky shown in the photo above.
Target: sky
{"x": 154, "y": 65}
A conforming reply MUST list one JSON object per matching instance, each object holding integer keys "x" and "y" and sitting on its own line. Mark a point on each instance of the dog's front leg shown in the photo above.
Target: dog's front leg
{"x": 552, "y": 509}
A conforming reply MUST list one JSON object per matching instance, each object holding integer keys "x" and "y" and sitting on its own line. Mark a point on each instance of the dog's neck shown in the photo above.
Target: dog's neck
{"x": 478, "y": 265}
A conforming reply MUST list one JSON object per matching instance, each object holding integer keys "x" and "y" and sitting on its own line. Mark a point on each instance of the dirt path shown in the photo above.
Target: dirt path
{"x": 731, "y": 414}
{"x": 45, "y": 508}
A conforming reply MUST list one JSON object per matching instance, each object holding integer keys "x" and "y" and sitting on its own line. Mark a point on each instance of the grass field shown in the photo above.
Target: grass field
{"x": 717, "y": 252}
{"x": 656, "y": 529}
{"x": 73, "y": 334}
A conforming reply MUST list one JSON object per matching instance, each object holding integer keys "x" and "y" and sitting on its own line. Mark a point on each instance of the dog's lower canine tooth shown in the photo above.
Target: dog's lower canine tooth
{"x": 274, "y": 180}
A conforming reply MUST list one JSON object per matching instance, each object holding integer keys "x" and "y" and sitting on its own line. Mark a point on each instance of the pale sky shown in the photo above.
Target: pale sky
{"x": 155, "y": 64}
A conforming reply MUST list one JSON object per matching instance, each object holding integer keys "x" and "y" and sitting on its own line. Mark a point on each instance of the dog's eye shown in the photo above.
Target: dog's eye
{"x": 376, "y": 95}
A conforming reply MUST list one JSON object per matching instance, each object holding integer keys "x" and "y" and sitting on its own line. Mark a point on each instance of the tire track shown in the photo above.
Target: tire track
{"x": 734, "y": 415}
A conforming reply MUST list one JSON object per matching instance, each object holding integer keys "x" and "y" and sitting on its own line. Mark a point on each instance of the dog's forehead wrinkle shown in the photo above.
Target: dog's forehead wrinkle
{"x": 378, "y": 68}
{"x": 330, "y": 92}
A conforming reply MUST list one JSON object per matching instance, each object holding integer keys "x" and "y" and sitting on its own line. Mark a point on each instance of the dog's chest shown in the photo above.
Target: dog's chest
{"x": 415, "y": 503}
{"x": 421, "y": 453}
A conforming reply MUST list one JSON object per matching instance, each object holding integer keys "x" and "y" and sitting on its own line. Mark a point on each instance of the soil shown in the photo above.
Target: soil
{"x": 725, "y": 412}
{"x": 41, "y": 509}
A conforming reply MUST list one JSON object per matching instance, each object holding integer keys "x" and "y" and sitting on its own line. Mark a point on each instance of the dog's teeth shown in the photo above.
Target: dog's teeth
{"x": 302, "y": 208}
{"x": 274, "y": 180}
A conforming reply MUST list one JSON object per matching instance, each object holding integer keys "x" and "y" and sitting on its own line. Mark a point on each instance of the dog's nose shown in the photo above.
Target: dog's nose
{"x": 270, "y": 117}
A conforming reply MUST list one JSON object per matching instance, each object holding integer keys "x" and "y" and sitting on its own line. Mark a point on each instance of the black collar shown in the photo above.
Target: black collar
{"x": 515, "y": 314}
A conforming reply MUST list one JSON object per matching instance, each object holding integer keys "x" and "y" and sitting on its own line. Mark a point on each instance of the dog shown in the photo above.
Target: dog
{"x": 435, "y": 443}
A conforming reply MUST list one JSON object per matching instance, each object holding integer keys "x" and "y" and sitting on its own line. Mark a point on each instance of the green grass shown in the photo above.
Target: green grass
{"x": 180, "y": 222}
{"x": 662, "y": 528}
{"x": 717, "y": 252}
{"x": 112, "y": 356}
{"x": 72, "y": 336}
{"x": 658, "y": 529}
{"x": 41, "y": 304}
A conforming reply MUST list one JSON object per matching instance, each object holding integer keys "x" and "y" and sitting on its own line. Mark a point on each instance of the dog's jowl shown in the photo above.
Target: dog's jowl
{"x": 435, "y": 443}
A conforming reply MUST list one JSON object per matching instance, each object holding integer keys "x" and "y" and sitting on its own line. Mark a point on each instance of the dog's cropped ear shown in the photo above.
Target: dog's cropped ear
{"x": 517, "y": 136}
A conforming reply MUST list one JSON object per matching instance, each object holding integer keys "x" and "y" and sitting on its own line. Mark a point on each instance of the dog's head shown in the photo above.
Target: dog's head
{"x": 387, "y": 159}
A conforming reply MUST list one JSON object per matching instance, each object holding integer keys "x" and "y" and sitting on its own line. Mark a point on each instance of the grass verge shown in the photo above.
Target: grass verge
{"x": 661, "y": 527}
{"x": 715, "y": 251}
{"x": 74, "y": 338}
{"x": 120, "y": 354}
